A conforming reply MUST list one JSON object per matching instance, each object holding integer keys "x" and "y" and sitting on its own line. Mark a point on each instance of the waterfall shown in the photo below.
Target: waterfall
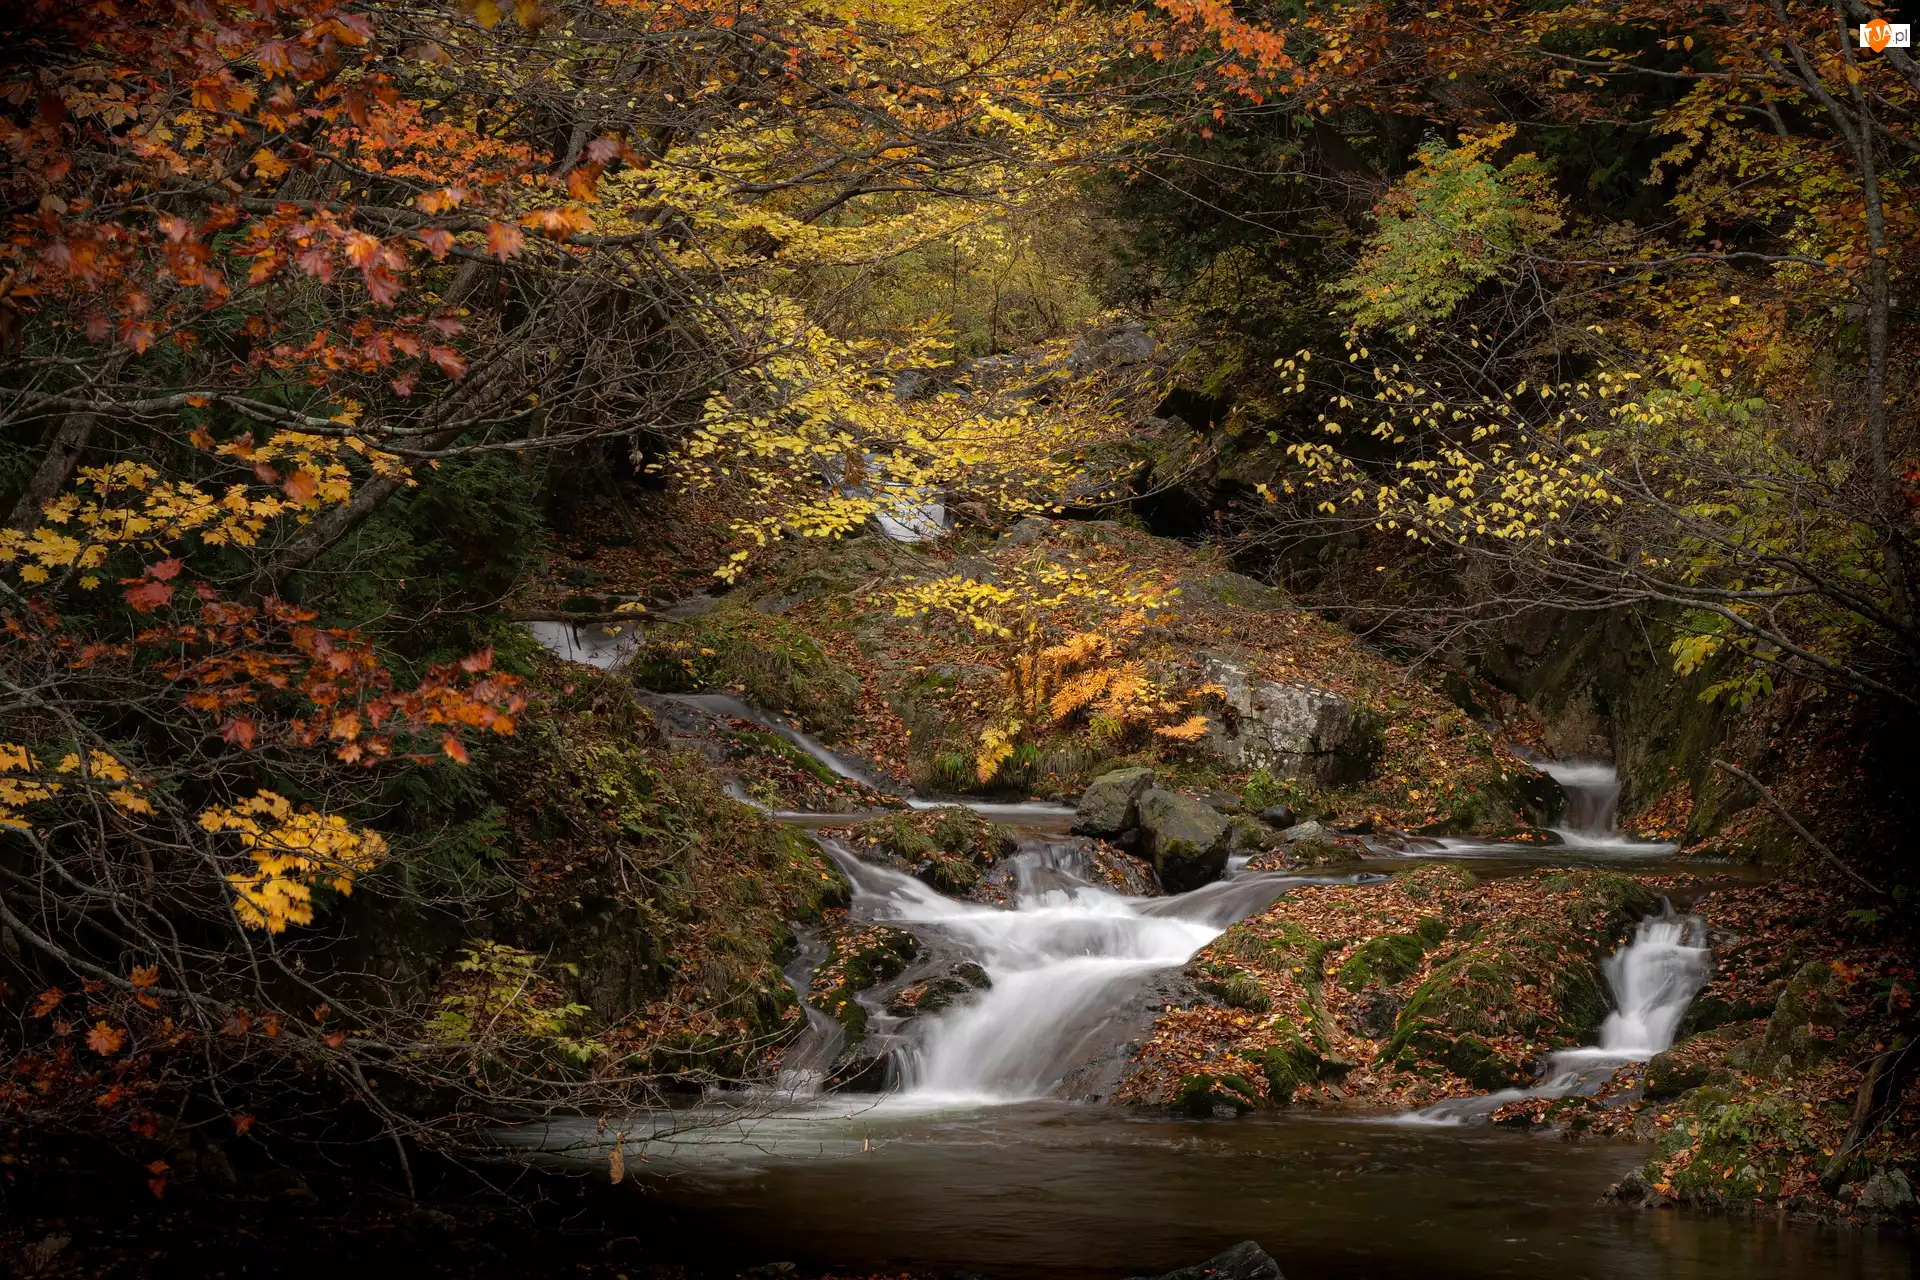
{"x": 1068, "y": 963}
{"x": 1593, "y": 792}
{"x": 1653, "y": 978}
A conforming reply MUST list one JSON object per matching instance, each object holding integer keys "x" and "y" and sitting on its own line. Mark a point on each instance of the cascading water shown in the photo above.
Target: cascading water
{"x": 1067, "y": 964}
{"x": 1653, "y": 978}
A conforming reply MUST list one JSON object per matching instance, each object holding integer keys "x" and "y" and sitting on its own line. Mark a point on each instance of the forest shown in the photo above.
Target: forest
{"x": 1056, "y": 638}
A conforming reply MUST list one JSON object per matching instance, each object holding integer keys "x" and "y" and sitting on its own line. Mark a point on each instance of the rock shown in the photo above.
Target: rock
{"x": 1184, "y": 840}
{"x": 1292, "y": 730}
{"x": 1669, "y": 1077}
{"x": 1308, "y": 830}
{"x": 1245, "y": 836}
{"x": 1373, "y": 1014}
{"x": 1801, "y": 1029}
{"x": 1278, "y": 816}
{"x": 1029, "y": 529}
{"x": 1634, "y": 1191}
{"x": 1110, "y": 804}
{"x": 1245, "y": 1261}
{"x": 1888, "y": 1192}
{"x": 934, "y": 994}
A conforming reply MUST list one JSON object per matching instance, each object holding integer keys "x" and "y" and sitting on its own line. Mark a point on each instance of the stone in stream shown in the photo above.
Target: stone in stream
{"x": 1186, "y": 841}
{"x": 1110, "y": 804}
{"x": 1245, "y": 1261}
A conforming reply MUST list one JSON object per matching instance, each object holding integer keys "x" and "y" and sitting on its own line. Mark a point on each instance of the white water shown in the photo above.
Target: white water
{"x": 1067, "y": 964}
{"x": 1587, "y": 827}
{"x": 1652, "y": 978}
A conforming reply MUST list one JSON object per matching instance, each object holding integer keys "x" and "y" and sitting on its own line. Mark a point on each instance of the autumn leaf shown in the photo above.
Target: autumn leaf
{"x": 105, "y": 1040}
{"x": 504, "y": 240}
{"x": 456, "y": 751}
{"x": 145, "y": 976}
{"x": 301, "y": 486}
{"x": 47, "y": 1001}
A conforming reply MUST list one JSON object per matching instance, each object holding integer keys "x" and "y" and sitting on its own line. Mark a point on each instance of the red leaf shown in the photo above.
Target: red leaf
{"x": 477, "y": 662}
{"x": 239, "y": 731}
{"x": 242, "y": 1123}
{"x": 149, "y": 596}
{"x": 165, "y": 570}
{"x": 301, "y": 486}
{"x": 454, "y": 749}
{"x": 437, "y": 239}
{"x": 451, "y": 362}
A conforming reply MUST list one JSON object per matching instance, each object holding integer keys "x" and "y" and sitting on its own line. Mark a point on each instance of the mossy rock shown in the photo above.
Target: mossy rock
{"x": 1435, "y": 877}
{"x": 1382, "y": 961}
{"x": 1288, "y": 1066}
{"x": 1805, "y": 1023}
{"x": 948, "y": 848}
{"x": 1235, "y": 988}
{"x": 776, "y": 666}
{"x": 861, "y": 958}
{"x": 935, "y": 994}
{"x": 1669, "y": 1076}
{"x": 1199, "y": 1094}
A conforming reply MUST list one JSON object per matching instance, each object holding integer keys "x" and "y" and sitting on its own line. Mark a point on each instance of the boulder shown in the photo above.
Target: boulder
{"x": 1669, "y": 1076}
{"x": 1247, "y": 836}
{"x": 1805, "y": 1019}
{"x": 1289, "y": 729}
{"x": 1110, "y": 804}
{"x": 1245, "y": 1261}
{"x": 1279, "y": 816}
{"x": 1186, "y": 841}
{"x": 1887, "y": 1192}
{"x": 1308, "y": 830}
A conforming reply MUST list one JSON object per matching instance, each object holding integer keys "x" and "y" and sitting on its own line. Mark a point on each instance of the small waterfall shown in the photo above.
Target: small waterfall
{"x": 1068, "y": 964}
{"x": 1653, "y": 978}
{"x": 1593, "y": 793}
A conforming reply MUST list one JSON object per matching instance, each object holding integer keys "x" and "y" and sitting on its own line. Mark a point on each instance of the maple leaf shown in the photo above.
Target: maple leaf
{"x": 504, "y": 240}
{"x": 145, "y": 976}
{"x": 105, "y": 1040}
{"x": 148, "y": 596}
{"x": 239, "y": 731}
{"x": 47, "y": 1001}
{"x": 451, "y": 362}
{"x": 301, "y": 486}
{"x": 455, "y": 749}
{"x": 437, "y": 240}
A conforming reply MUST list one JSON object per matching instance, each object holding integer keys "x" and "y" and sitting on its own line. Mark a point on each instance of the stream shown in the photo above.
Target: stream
{"x": 989, "y": 1151}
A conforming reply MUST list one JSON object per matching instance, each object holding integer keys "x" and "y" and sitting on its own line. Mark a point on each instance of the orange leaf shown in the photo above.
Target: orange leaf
{"x": 105, "y": 1040}
{"x": 504, "y": 240}
{"x": 301, "y": 486}
{"x": 146, "y": 975}
{"x": 454, "y": 749}
{"x": 47, "y": 1001}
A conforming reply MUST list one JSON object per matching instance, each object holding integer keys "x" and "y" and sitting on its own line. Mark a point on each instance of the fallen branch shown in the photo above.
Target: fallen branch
{"x": 1813, "y": 842}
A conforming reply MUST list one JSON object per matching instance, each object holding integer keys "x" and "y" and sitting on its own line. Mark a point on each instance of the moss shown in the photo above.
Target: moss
{"x": 860, "y": 959}
{"x": 660, "y": 903}
{"x": 1201, "y": 1092}
{"x": 1235, "y": 988}
{"x": 1384, "y": 960}
{"x": 776, "y": 665}
{"x": 1435, "y": 877}
{"x": 1288, "y": 1066}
